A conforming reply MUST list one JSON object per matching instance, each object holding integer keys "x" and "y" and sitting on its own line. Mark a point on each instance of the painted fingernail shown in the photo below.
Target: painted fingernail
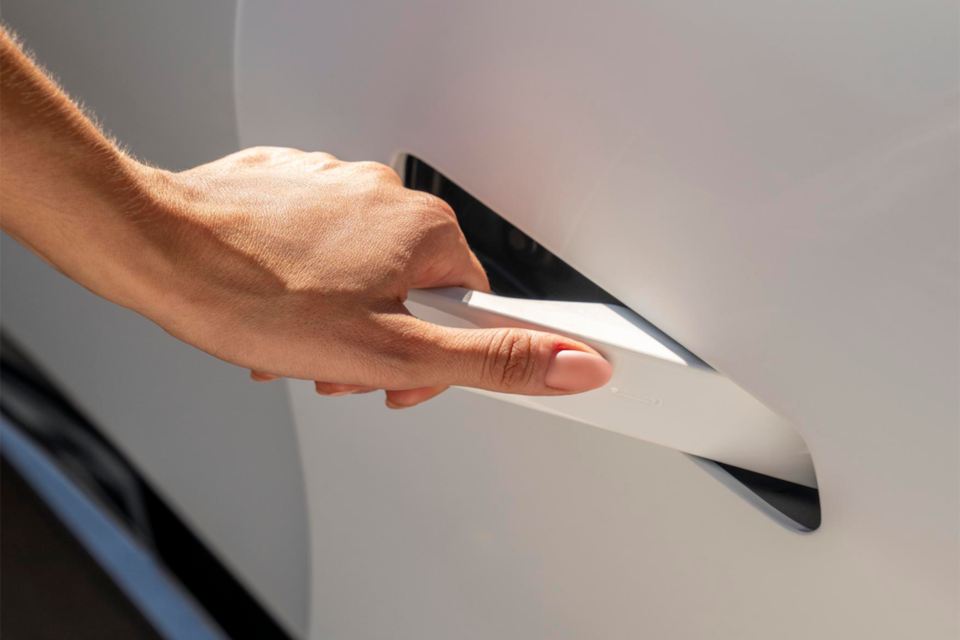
{"x": 577, "y": 371}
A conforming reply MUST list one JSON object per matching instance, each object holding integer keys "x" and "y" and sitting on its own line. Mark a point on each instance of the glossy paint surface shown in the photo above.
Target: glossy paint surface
{"x": 774, "y": 184}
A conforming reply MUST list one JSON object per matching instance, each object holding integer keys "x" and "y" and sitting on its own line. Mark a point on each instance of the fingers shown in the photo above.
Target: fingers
{"x": 505, "y": 360}
{"x": 454, "y": 265}
{"x": 459, "y": 268}
{"x": 407, "y": 398}
{"x": 402, "y": 399}
{"x": 260, "y": 376}
{"x": 330, "y": 389}
{"x": 333, "y": 390}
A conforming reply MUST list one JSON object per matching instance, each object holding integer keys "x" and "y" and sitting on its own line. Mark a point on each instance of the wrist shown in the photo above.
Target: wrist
{"x": 98, "y": 216}
{"x": 117, "y": 230}
{"x": 152, "y": 224}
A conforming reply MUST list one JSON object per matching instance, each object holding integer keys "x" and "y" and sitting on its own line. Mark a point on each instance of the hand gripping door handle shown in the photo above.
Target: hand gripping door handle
{"x": 660, "y": 392}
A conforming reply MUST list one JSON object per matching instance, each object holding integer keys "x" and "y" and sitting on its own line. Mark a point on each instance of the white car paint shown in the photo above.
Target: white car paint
{"x": 773, "y": 184}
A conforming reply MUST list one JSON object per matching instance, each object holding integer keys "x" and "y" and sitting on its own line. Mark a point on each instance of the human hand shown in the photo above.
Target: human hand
{"x": 290, "y": 264}
{"x": 297, "y": 265}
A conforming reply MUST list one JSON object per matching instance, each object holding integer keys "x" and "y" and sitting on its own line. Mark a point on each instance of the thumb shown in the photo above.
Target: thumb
{"x": 507, "y": 360}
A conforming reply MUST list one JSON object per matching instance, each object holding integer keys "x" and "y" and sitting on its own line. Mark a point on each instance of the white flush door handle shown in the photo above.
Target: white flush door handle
{"x": 659, "y": 392}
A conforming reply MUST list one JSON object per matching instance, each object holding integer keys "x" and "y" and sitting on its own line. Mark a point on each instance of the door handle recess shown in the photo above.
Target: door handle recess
{"x": 659, "y": 392}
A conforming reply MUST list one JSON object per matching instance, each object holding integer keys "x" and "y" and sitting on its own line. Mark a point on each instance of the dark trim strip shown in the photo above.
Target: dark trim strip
{"x": 31, "y": 402}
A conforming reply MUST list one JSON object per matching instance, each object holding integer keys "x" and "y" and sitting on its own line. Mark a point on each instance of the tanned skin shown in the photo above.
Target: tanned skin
{"x": 287, "y": 263}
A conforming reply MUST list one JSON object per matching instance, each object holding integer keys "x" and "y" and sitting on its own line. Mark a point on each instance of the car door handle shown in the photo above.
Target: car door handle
{"x": 659, "y": 392}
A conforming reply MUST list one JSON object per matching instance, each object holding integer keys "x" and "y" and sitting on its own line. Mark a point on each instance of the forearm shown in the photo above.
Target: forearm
{"x": 288, "y": 263}
{"x": 67, "y": 192}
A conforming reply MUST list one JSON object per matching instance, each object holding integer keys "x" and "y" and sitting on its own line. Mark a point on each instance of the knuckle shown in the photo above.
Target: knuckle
{"x": 271, "y": 151}
{"x": 251, "y": 155}
{"x": 376, "y": 169}
{"x": 323, "y": 157}
{"x": 425, "y": 207}
{"x": 434, "y": 206}
{"x": 321, "y": 161}
{"x": 435, "y": 235}
{"x": 263, "y": 154}
{"x": 510, "y": 362}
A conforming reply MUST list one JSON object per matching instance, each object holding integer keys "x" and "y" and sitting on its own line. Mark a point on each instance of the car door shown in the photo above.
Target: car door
{"x": 774, "y": 186}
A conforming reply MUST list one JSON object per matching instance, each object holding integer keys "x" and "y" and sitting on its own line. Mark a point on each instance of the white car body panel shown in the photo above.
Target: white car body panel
{"x": 772, "y": 184}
